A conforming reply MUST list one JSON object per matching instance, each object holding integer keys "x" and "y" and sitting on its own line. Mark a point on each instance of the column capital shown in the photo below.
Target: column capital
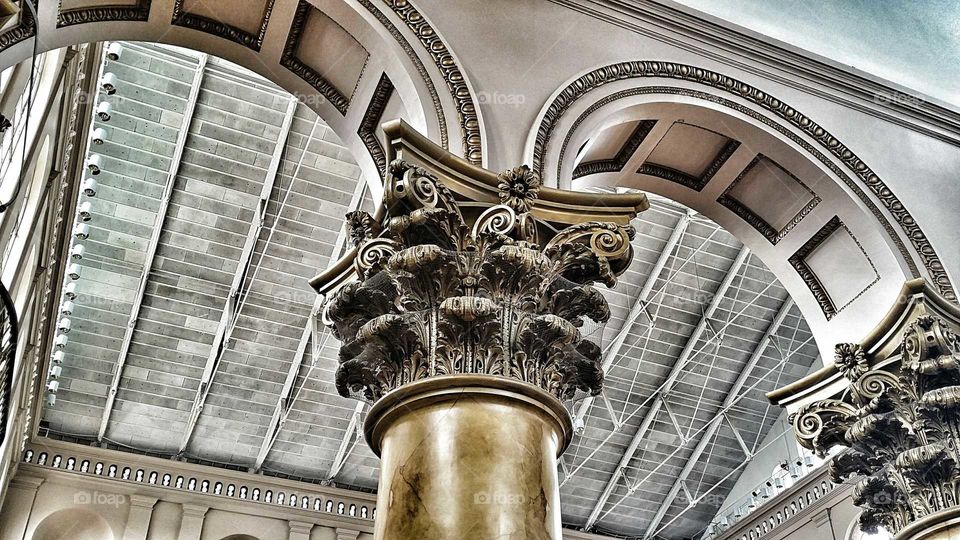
{"x": 898, "y": 416}
{"x": 26, "y": 482}
{"x": 143, "y": 501}
{"x": 301, "y": 527}
{"x": 347, "y": 534}
{"x": 194, "y": 510}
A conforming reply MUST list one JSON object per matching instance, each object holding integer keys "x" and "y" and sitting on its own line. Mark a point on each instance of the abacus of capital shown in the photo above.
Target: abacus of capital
{"x": 463, "y": 329}
{"x": 897, "y": 418}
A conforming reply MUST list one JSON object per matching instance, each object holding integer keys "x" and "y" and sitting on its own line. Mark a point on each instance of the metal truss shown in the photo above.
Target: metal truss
{"x": 732, "y": 397}
{"x": 656, "y": 403}
{"x": 154, "y": 242}
{"x": 231, "y": 310}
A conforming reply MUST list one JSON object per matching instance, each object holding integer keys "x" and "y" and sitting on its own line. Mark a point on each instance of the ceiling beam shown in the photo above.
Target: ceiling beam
{"x": 665, "y": 389}
{"x": 638, "y": 307}
{"x": 231, "y": 309}
{"x": 732, "y": 397}
{"x": 343, "y": 452}
{"x": 784, "y": 359}
{"x": 154, "y": 242}
{"x": 287, "y": 396}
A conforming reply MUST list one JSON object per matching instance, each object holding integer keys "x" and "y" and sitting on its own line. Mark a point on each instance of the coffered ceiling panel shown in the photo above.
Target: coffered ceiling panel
{"x": 242, "y": 21}
{"x": 770, "y": 198}
{"x": 689, "y": 155}
{"x": 336, "y": 72}
{"x": 835, "y": 267}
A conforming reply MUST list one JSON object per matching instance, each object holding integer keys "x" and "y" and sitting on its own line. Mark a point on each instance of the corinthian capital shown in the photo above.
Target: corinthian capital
{"x": 898, "y": 418}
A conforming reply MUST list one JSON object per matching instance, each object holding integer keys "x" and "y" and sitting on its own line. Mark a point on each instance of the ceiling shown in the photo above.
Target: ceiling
{"x": 224, "y": 363}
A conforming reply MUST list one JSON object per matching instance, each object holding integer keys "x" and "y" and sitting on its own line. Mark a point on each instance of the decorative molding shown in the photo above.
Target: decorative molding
{"x": 421, "y": 69}
{"x": 794, "y": 505}
{"x": 157, "y": 476}
{"x": 642, "y": 69}
{"x": 223, "y": 30}
{"x": 812, "y": 74}
{"x": 26, "y": 28}
{"x": 696, "y": 183}
{"x": 757, "y": 222}
{"x": 617, "y": 162}
{"x": 371, "y": 120}
{"x": 452, "y": 75}
{"x": 138, "y": 12}
{"x": 898, "y": 418}
{"x": 291, "y": 61}
{"x": 798, "y": 261}
{"x": 446, "y": 292}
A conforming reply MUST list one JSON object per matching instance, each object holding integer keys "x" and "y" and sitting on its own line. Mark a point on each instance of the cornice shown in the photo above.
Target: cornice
{"x": 770, "y": 59}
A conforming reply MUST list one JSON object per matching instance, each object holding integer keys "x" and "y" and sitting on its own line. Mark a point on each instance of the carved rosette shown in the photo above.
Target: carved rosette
{"x": 440, "y": 293}
{"x": 900, "y": 427}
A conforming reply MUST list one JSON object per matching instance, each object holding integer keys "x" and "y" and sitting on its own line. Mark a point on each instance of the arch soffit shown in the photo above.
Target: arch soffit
{"x": 386, "y": 48}
{"x": 594, "y": 89}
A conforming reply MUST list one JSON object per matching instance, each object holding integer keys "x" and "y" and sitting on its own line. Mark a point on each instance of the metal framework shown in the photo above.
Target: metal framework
{"x": 231, "y": 310}
{"x": 639, "y": 306}
{"x": 732, "y": 396}
{"x": 287, "y": 395}
{"x": 189, "y": 109}
{"x": 665, "y": 389}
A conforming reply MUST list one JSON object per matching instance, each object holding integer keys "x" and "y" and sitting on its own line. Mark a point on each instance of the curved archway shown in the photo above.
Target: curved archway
{"x": 351, "y": 64}
{"x": 819, "y": 217}
{"x": 73, "y": 524}
{"x": 239, "y": 537}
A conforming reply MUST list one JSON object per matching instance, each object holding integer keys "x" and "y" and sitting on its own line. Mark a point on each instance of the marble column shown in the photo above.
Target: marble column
{"x": 468, "y": 457}
{"x": 191, "y": 524}
{"x": 138, "y": 519}
{"x": 464, "y": 332}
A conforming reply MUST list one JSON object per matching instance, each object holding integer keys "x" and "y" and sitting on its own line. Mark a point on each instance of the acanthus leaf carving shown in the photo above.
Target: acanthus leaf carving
{"x": 446, "y": 291}
{"x": 901, "y": 427}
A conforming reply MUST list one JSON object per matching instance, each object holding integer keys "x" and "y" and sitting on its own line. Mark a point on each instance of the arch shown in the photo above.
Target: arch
{"x": 73, "y": 524}
{"x": 240, "y": 537}
{"x": 386, "y": 56}
{"x": 855, "y": 203}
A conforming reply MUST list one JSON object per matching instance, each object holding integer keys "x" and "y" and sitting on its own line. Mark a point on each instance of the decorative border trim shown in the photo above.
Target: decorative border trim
{"x": 696, "y": 183}
{"x": 292, "y": 62}
{"x": 456, "y": 82}
{"x": 638, "y": 69}
{"x": 619, "y": 161}
{"x": 799, "y": 263}
{"x": 757, "y": 222}
{"x": 219, "y": 29}
{"x": 25, "y": 29}
{"x": 421, "y": 69}
{"x": 139, "y": 13}
{"x": 371, "y": 118}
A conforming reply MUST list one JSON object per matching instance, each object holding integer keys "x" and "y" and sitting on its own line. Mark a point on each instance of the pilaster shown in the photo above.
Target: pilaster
{"x": 191, "y": 525}
{"x": 138, "y": 520}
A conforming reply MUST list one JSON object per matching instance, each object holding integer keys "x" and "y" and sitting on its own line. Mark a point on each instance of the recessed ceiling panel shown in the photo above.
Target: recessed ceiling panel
{"x": 335, "y": 60}
{"x": 242, "y": 21}
{"x": 770, "y": 198}
{"x": 84, "y": 11}
{"x": 613, "y": 147}
{"x": 689, "y": 155}
{"x": 835, "y": 267}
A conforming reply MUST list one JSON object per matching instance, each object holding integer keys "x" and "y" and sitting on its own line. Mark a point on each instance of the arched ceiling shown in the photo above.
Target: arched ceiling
{"x": 346, "y": 61}
{"x": 225, "y": 363}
